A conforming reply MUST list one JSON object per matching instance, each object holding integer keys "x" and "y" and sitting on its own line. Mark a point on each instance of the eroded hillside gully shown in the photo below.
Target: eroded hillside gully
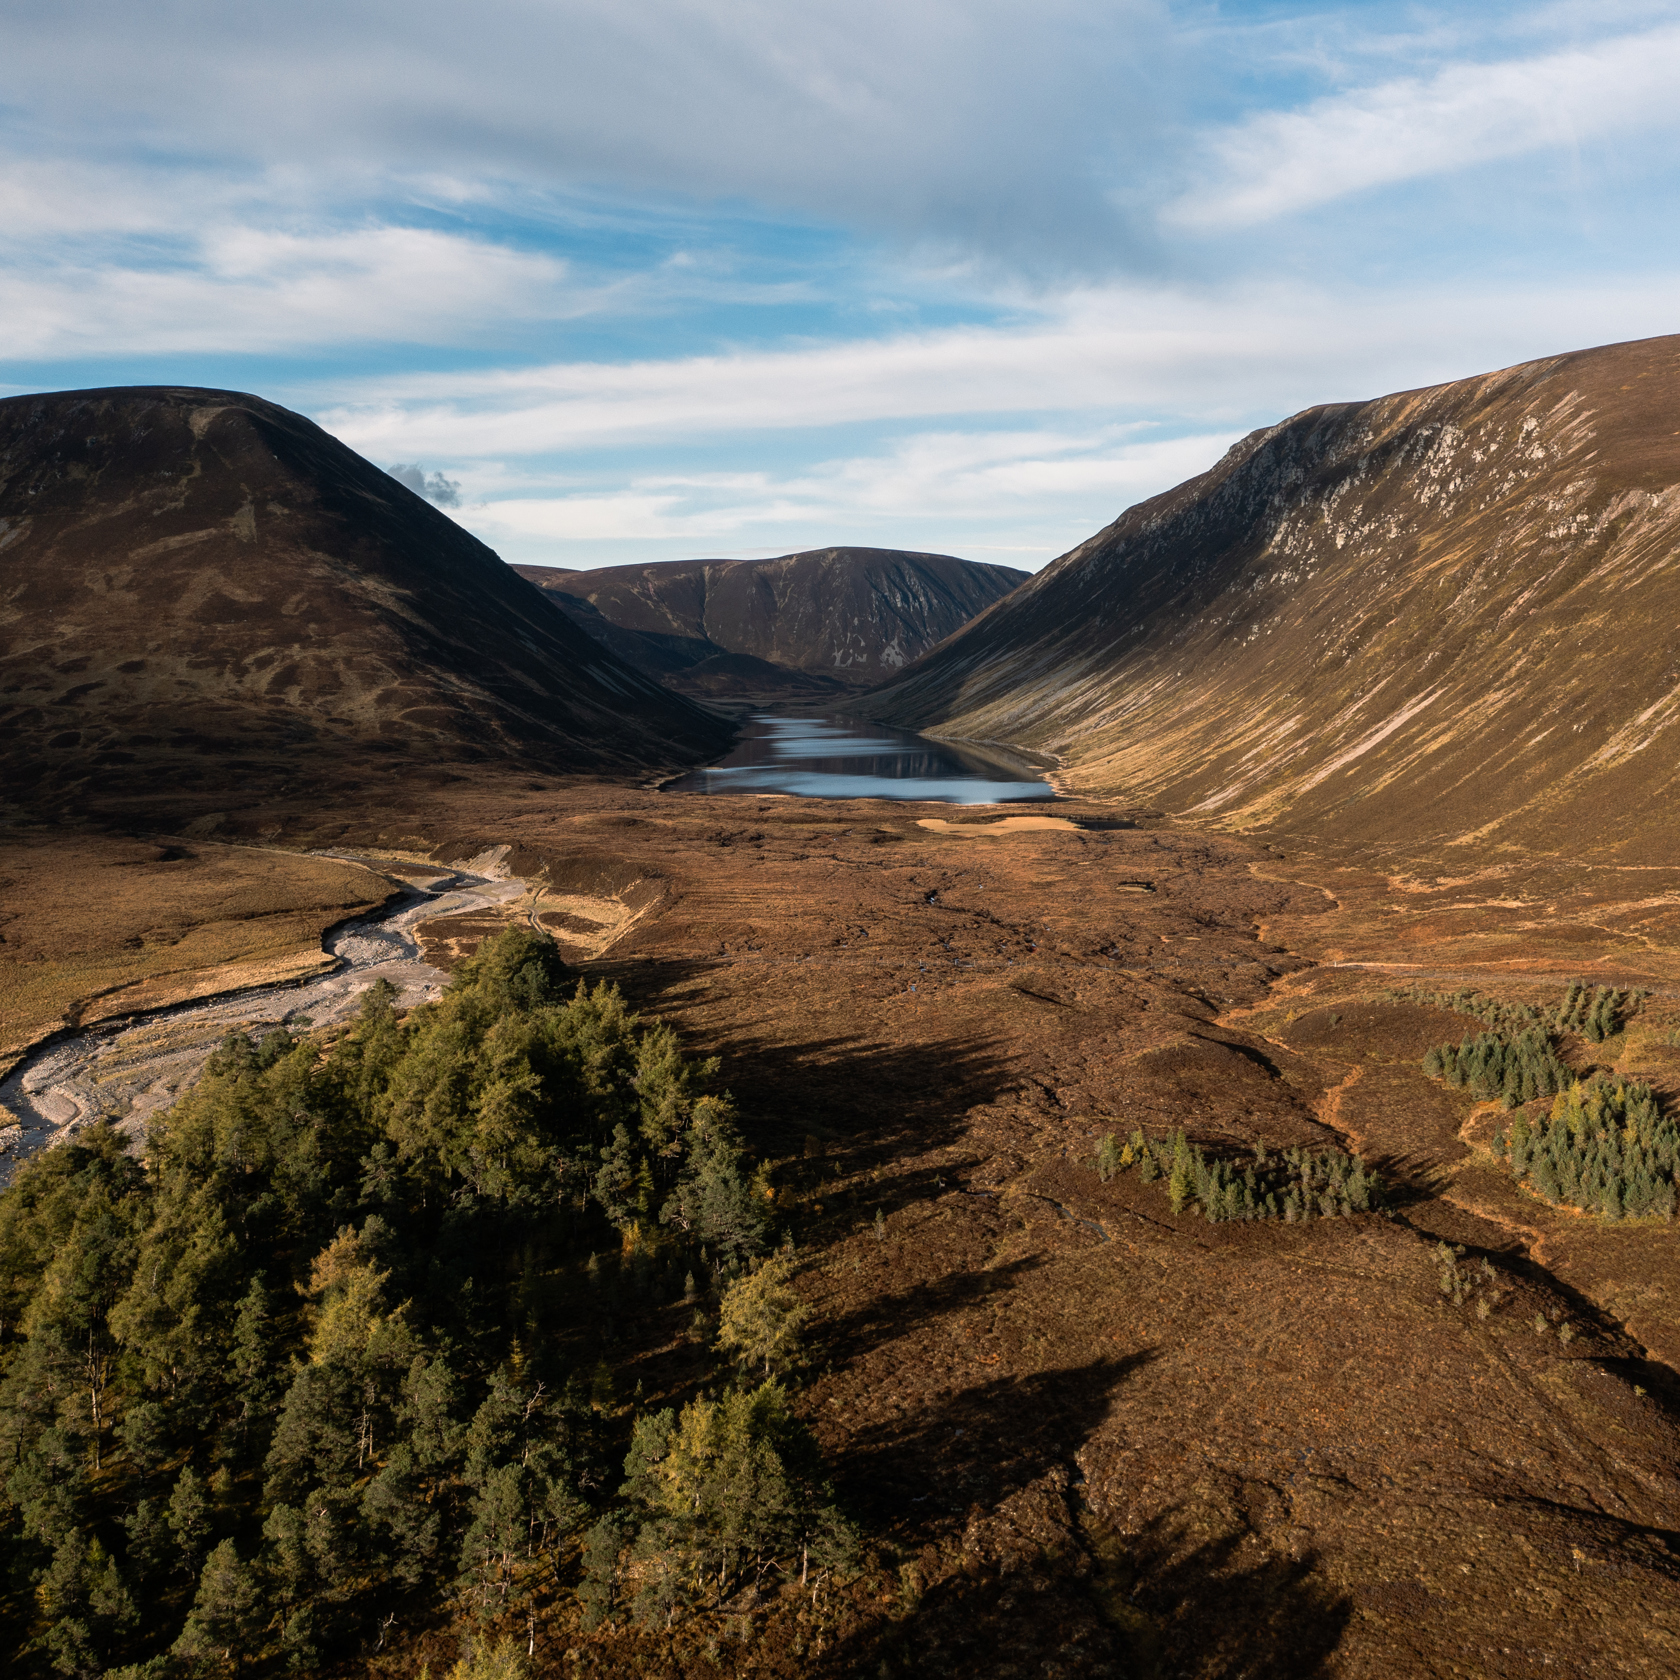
{"x": 1087, "y": 1433}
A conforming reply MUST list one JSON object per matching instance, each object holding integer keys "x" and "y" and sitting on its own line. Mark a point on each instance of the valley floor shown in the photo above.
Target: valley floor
{"x": 1084, "y": 1435}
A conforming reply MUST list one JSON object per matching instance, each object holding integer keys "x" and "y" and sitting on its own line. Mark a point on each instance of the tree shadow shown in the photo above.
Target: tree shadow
{"x": 1194, "y": 1606}
{"x": 923, "y": 1477}
{"x": 843, "y": 1337}
{"x": 1043, "y": 1591}
{"x": 857, "y": 1102}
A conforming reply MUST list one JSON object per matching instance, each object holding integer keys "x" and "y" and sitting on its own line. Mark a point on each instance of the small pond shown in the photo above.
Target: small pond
{"x": 846, "y": 758}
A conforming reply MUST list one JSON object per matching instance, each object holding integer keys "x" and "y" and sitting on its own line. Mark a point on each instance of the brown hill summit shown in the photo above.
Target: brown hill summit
{"x": 204, "y": 593}
{"x": 1445, "y": 615}
{"x": 821, "y": 623}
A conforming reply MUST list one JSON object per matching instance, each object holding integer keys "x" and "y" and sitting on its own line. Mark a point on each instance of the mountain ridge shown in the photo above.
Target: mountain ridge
{"x": 1443, "y": 615}
{"x": 199, "y": 587}
{"x": 841, "y": 617}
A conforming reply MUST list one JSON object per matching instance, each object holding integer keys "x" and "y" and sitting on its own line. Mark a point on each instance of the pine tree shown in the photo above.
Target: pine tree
{"x": 227, "y": 1611}
{"x": 761, "y": 1316}
{"x": 1108, "y": 1158}
{"x": 189, "y": 1518}
{"x": 1180, "y": 1184}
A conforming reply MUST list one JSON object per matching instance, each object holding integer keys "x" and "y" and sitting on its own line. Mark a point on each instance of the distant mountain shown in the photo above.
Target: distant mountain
{"x": 1450, "y": 614}
{"x": 203, "y": 594}
{"x": 823, "y": 623}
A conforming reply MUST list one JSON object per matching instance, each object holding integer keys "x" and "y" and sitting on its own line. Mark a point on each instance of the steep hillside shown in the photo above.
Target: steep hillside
{"x": 1449, "y": 614}
{"x": 846, "y": 617}
{"x": 201, "y": 592}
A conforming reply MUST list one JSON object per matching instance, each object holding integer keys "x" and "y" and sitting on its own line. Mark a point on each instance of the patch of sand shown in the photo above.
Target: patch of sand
{"x": 581, "y": 923}
{"x": 1004, "y": 825}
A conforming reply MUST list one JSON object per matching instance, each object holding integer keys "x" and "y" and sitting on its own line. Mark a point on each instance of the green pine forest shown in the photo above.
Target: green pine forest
{"x": 1596, "y": 1143}
{"x": 338, "y": 1350}
{"x": 1290, "y": 1184}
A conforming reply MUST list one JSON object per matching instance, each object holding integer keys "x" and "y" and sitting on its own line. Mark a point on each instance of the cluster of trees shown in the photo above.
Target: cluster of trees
{"x": 322, "y": 1359}
{"x": 1592, "y": 1013}
{"x": 715, "y": 1498}
{"x": 1597, "y": 1014}
{"x": 1493, "y": 1013}
{"x": 1291, "y": 1184}
{"x": 1514, "y": 1069}
{"x": 1605, "y": 1147}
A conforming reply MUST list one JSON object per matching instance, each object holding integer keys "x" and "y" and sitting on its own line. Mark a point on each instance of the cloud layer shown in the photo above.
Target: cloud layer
{"x": 960, "y": 274}
{"x": 986, "y": 122}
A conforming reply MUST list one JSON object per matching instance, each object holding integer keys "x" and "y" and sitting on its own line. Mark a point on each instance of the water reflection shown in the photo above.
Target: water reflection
{"x": 846, "y": 758}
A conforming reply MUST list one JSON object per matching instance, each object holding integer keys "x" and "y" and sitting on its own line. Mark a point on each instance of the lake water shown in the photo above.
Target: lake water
{"x": 845, "y": 758}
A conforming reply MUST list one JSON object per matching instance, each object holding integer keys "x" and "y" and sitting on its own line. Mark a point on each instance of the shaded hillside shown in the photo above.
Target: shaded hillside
{"x": 202, "y": 592}
{"x": 1446, "y": 614}
{"x": 845, "y": 617}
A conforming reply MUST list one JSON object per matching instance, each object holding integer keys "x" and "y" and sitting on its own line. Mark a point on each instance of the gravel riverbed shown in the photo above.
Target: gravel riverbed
{"x": 128, "y": 1069}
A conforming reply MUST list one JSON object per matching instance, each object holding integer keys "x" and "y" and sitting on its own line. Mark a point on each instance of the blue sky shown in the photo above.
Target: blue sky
{"x": 736, "y": 277}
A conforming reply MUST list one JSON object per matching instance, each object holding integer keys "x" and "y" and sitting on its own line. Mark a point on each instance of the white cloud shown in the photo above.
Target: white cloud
{"x": 987, "y": 122}
{"x": 1039, "y": 491}
{"x": 1137, "y": 389}
{"x": 257, "y": 290}
{"x": 978, "y": 475}
{"x": 1279, "y": 162}
{"x": 1120, "y": 352}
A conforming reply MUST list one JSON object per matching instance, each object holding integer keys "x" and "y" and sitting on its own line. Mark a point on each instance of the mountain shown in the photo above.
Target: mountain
{"x": 203, "y": 593}
{"x": 822, "y": 623}
{"x": 1452, "y": 614}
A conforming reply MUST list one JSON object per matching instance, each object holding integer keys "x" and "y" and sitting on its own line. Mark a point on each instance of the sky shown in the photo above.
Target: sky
{"x": 615, "y": 283}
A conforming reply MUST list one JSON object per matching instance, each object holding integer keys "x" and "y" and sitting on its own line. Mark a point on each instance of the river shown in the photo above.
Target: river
{"x": 129, "y": 1069}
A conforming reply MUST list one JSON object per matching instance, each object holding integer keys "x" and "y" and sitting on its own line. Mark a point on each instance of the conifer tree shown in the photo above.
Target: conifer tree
{"x": 1179, "y": 1184}
{"x": 226, "y": 1611}
{"x": 342, "y": 1265}
{"x": 761, "y": 1315}
{"x": 1108, "y": 1158}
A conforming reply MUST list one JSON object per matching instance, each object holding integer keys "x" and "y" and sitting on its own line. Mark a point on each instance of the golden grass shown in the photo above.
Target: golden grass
{"x": 93, "y": 927}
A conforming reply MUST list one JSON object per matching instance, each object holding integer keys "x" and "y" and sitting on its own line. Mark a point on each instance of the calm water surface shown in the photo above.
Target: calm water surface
{"x": 845, "y": 758}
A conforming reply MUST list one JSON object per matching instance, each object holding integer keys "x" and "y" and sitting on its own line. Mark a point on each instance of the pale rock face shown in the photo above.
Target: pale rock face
{"x": 1448, "y": 614}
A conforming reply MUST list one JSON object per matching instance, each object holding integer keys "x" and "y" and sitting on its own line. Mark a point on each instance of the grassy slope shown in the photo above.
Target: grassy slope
{"x": 1441, "y": 616}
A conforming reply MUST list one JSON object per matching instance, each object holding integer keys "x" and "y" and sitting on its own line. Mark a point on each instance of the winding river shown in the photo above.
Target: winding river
{"x": 129, "y": 1068}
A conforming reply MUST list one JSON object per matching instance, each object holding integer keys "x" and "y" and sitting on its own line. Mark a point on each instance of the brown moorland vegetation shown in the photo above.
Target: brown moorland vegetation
{"x": 95, "y": 927}
{"x": 1080, "y": 1427}
{"x": 202, "y": 594}
{"x": 1075, "y": 1428}
{"x": 1442, "y": 616}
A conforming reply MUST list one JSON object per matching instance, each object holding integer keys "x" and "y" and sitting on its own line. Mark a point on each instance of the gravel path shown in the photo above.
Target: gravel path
{"x": 128, "y": 1069}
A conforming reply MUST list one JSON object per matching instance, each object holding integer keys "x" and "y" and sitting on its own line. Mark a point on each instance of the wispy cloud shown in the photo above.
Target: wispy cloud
{"x": 1121, "y": 352}
{"x": 253, "y": 290}
{"x": 741, "y": 273}
{"x": 999, "y": 492}
{"x": 987, "y": 123}
{"x": 1279, "y": 162}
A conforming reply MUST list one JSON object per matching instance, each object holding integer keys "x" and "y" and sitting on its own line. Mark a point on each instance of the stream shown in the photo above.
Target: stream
{"x": 129, "y": 1068}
